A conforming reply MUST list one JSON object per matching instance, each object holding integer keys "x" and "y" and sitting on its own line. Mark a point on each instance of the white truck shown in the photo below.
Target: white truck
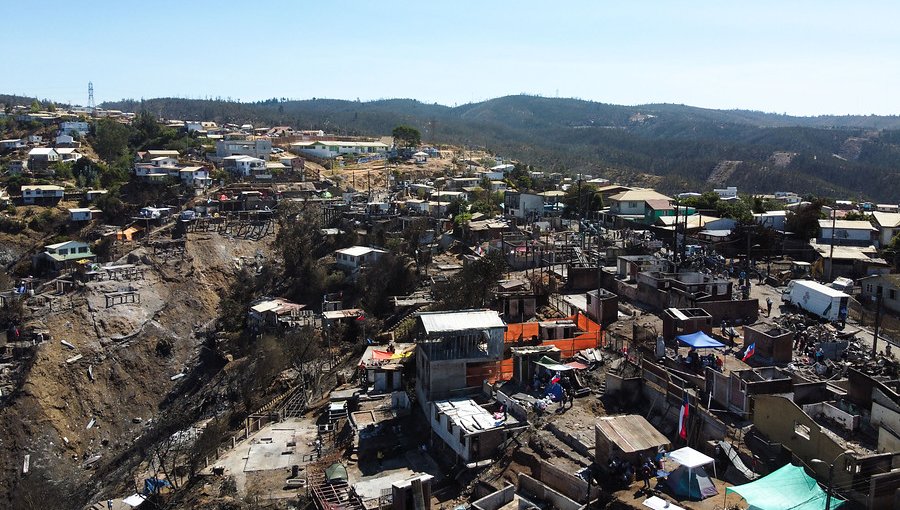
{"x": 817, "y": 299}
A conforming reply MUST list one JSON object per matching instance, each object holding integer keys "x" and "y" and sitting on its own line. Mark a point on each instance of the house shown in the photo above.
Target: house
{"x": 256, "y": 147}
{"x": 333, "y": 148}
{"x": 148, "y": 156}
{"x": 17, "y": 166}
{"x": 885, "y": 285}
{"x": 202, "y": 126}
{"x": 68, "y": 154}
{"x": 11, "y": 144}
{"x": 42, "y": 194}
{"x": 626, "y": 437}
{"x": 195, "y": 176}
{"x": 888, "y": 208}
{"x": 66, "y": 141}
{"x": 40, "y": 159}
{"x": 847, "y": 233}
{"x": 245, "y": 166}
{"x": 771, "y": 219}
{"x": 729, "y": 193}
{"x": 60, "y": 255}
{"x": 849, "y": 261}
{"x": 355, "y": 257}
{"x": 73, "y": 128}
{"x": 888, "y": 225}
{"x": 503, "y": 169}
{"x": 93, "y": 194}
{"x": 641, "y": 205}
{"x": 4, "y": 197}
{"x": 79, "y": 214}
{"x": 523, "y": 205}
{"x": 455, "y": 352}
{"x": 384, "y": 366}
{"x": 469, "y": 430}
{"x": 268, "y": 313}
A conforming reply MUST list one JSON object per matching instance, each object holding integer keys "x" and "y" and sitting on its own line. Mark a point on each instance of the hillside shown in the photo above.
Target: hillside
{"x": 674, "y": 147}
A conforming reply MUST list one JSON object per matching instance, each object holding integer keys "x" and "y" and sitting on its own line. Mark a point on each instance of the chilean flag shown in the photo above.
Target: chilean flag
{"x": 751, "y": 350}
{"x": 555, "y": 378}
{"x": 683, "y": 418}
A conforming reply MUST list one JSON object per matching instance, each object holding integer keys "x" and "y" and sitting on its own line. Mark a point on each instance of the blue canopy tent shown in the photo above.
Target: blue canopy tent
{"x": 787, "y": 488}
{"x": 700, "y": 340}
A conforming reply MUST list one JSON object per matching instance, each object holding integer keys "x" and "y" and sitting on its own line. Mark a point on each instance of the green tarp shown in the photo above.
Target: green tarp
{"x": 788, "y": 488}
{"x": 552, "y": 364}
{"x": 336, "y": 473}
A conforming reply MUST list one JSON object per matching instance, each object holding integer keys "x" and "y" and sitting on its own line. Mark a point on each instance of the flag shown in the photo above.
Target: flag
{"x": 555, "y": 378}
{"x": 361, "y": 318}
{"x": 751, "y": 350}
{"x": 682, "y": 418}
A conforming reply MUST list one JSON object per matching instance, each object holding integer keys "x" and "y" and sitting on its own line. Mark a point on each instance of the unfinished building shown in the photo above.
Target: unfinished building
{"x": 455, "y": 350}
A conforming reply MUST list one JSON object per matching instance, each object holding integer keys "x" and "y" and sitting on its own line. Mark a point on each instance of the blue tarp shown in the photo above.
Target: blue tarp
{"x": 700, "y": 340}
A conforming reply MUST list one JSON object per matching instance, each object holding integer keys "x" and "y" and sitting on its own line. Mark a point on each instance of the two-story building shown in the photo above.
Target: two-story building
{"x": 40, "y": 159}
{"x": 641, "y": 205}
{"x": 60, "y": 255}
{"x": 885, "y": 286}
{"x": 523, "y": 205}
{"x": 246, "y": 166}
{"x": 195, "y": 176}
{"x": 454, "y": 350}
{"x": 74, "y": 128}
{"x": 42, "y": 194}
{"x": 256, "y": 147}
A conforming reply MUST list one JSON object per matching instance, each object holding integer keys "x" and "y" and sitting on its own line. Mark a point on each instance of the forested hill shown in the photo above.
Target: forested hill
{"x": 672, "y": 147}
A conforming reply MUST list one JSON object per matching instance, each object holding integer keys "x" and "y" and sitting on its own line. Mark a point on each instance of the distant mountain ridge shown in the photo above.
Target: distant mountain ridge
{"x": 672, "y": 147}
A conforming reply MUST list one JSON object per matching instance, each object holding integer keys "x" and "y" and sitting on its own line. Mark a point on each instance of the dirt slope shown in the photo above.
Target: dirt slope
{"x": 131, "y": 379}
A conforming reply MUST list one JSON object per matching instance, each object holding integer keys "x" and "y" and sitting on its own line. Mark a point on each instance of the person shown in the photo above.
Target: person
{"x": 842, "y": 315}
{"x": 719, "y": 363}
{"x": 380, "y": 457}
{"x": 646, "y": 470}
{"x": 768, "y": 307}
{"x": 571, "y": 399}
{"x": 660, "y": 455}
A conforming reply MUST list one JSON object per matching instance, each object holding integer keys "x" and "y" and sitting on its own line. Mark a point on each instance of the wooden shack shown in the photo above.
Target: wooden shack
{"x": 628, "y": 437}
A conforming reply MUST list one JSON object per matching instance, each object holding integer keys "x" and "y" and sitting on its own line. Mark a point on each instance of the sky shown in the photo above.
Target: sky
{"x": 798, "y": 57}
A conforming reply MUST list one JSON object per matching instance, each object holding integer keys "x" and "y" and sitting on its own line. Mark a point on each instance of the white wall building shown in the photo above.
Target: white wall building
{"x": 35, "y": 194}
{"x": 72, "y": 127}
{"x": 246, "y": 166}
{"x": 257, "y": 147}
{"x": 355, "y": 257}
{"x": 726, "y": 193}
{"x": 334, "y": 148}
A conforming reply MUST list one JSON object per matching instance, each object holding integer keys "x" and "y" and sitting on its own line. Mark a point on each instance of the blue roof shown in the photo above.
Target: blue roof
{"x": 700, "y": 340}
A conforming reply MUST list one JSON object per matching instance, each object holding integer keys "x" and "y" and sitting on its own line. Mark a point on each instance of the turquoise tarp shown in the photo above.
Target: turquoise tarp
{"x": 788, "y": 488}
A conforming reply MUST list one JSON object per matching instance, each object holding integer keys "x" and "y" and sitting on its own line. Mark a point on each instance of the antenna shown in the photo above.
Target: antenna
{"x": 91, "y": 105}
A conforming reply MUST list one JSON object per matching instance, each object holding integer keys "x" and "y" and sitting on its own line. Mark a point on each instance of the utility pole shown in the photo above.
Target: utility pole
{"x": 831, "y": 255}
{"x": 878, "y": 301}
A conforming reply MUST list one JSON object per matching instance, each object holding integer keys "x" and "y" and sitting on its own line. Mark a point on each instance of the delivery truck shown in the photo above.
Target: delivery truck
{"x": 817, "y": 299}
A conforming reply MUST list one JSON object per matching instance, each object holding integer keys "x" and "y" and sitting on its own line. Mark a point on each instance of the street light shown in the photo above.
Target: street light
{"x": 830, "y": 474}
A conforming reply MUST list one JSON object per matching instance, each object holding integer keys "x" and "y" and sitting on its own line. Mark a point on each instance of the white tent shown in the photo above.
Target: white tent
{"x": 691, "y": 458}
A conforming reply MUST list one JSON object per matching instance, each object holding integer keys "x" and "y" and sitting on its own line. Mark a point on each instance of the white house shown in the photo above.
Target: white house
{"x": 503, "y": 169}
{"x": 334, "y": 148}
{"x": 523, "y": 205}
{"x": 83, "y": 214}
{"x": 847, "y": 233}
{"x": 246, "y": 166}
{"x": 45, "y": 193}
{"x": 259, "y": 147}
{"x": 69, "y": 154}
{"x": 634, "y": 202}
{"x": 888, "y": 225}
{"x": 70, "y": 127}
{"x": 40, "y": 158}
{"x": 196, "y": 176}
{"x": 66, "y": 141}
{"x": 771, "y": 219}
{"x": 11, "y": 144}
{"x": 726, "y": 193}
{"x": 356, "y": 257}
{"x": 196, "y": 125}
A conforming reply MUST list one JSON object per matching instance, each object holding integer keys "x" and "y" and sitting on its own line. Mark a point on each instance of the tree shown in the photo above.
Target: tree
{"x": 35, "y": 106}
{"x": 111, "y": 139}
{"x": 406, "y": 136}
{"x": 472, "y": 286}
{"x": 804, "y": 221}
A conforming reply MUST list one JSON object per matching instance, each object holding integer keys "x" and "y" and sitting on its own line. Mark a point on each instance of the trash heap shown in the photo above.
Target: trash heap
{"x": 824, "y": 351}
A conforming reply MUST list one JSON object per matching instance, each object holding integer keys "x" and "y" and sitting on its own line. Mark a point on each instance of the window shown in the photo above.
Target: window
{"x": 449, "y": 425}
{"x": 632, "y": 205}
{"x": 892, "y": 294}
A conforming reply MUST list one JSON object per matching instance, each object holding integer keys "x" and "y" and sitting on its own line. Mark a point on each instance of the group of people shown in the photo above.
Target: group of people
{"x": 624, "y": 471}
{"x": 697, "y": 361}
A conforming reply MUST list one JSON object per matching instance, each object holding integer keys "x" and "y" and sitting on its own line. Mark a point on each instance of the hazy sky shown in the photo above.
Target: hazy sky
{"x": 798, "y": 57}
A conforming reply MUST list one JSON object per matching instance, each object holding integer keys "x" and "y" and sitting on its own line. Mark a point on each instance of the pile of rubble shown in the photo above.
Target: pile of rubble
{"x": 830, "y": 351}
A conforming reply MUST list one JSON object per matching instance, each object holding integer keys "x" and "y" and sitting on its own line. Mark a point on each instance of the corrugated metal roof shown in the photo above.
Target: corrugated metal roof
{"x": 631, "y": 433}
{"x": 442, "y": 322}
